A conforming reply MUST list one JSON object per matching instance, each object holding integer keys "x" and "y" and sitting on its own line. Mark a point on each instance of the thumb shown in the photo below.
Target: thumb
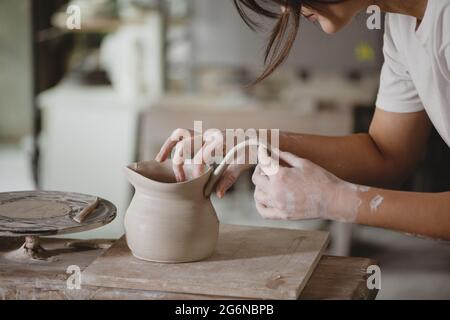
{"x": 291, "y": 159}
{"x": 228, "y": 178}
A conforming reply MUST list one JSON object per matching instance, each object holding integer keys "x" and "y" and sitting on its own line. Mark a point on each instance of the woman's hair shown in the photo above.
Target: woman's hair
{"x": 287, "y": 13}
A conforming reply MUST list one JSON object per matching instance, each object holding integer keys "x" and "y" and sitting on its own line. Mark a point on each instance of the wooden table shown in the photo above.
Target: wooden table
{"x": 334, "y": 277}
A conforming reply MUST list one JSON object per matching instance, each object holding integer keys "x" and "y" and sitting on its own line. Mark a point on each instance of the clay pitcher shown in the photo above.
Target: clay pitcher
{"x": 168, "y": 221}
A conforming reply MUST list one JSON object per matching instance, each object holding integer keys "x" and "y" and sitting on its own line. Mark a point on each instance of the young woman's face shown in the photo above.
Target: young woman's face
{"x": 334, "y": 17}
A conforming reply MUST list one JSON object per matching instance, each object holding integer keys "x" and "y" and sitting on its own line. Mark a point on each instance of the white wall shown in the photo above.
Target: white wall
{"x": 15, "y": 69}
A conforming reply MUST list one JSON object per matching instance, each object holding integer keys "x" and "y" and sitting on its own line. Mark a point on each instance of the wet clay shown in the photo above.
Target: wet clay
{"x": 168, "y": 221}
{"x": 32, "y": 209}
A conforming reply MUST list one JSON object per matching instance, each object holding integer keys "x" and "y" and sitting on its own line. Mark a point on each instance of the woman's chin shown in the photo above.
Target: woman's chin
{"x": 330, "y": 28}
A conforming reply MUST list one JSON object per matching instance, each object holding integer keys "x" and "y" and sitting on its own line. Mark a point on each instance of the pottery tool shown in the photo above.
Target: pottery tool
{"x": 86, "y": 211}
{"x": 31, "y": 214}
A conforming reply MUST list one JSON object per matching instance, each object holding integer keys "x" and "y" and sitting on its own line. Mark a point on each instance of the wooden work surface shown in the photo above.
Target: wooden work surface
{"x": 333, "y": 278}
{"x": 248, "y": 262}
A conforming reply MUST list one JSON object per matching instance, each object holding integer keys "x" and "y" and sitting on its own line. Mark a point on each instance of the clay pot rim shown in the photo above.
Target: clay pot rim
{"x": 130, "y": 168}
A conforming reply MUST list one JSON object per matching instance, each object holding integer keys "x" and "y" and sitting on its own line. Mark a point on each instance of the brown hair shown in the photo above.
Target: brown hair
{"x": 287, "y": 13}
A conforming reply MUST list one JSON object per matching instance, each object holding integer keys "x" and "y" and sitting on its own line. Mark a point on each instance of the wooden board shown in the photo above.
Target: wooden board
{"x": 333, "y": 278}
{"x": 249, "y": 262}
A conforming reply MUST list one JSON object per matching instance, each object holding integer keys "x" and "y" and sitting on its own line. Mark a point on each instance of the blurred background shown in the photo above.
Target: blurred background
{"x": 79, "y": 104}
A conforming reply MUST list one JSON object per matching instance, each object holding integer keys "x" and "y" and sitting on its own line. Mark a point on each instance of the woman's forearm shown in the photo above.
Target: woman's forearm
{"x": 383, "y": 157}
{"x": 354, "y": 158}
{"x": 425, "y": 214}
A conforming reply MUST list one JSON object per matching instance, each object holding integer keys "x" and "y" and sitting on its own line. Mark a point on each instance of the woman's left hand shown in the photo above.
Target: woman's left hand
{"x": 303, "y": 190}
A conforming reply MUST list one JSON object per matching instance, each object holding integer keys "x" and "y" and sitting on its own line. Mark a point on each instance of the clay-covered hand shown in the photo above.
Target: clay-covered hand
{"x": 185, "y": 143}
{"x": 302, "y": 190}
{"x": 190, "y": 145}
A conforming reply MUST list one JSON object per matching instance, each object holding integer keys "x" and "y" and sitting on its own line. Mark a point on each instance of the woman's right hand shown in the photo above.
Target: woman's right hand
{"x": 188, "y": 144}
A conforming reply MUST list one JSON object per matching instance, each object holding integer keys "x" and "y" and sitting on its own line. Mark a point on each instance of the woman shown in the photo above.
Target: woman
{"x": 324, "y": 177}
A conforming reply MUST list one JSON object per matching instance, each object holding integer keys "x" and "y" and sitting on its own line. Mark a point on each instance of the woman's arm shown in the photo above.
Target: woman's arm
{"x": 304, "y": 190}
{"x": 383, "y": 157}
{"x": 425, "y": 214}
{"x": 386, "y": 155}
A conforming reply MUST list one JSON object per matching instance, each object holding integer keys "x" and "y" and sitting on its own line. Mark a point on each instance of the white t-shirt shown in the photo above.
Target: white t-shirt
{"x": 416, "y": 71}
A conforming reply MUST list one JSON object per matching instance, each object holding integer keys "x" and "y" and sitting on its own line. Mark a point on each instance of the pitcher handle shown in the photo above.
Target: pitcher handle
{"x": 220, "y": 169}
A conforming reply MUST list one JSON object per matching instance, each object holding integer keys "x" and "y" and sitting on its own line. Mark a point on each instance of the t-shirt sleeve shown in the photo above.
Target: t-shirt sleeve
{"x": 397, "y": 92}
{"x": 446, "y": 40}
{"x": 447, "y": 60}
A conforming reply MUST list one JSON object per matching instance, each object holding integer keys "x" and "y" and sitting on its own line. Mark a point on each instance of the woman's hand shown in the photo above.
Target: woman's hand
{"x": 303, "y": 190}
{"x": 184, "y": 142}
{"x": 200, "y": 149}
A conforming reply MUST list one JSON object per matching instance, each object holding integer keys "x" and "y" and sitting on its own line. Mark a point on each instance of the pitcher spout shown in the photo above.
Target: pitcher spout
{"x": 153, "y": 177}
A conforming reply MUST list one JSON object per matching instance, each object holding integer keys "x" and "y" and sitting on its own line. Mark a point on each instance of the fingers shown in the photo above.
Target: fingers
{"x": 178, "y": 161}
{"x": 245, "y": 158}
{"x": 166, "y": 149}
{"x": 260, "y": 179}
{"x": 291, "y": 159}
{"x": 225, "y": 183}
{"x": 269, "y": 164}
{"x": 263, "y": 156}
{"x": 212, "y": 147}
{"x": 182, "y": 140}
{"x": 176, "y": 136}
{"x": 229, "y": 177}
{"x": 268, "y": 213}
{"x": 262, "y": 198}
{"x": 200, "y": 159}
